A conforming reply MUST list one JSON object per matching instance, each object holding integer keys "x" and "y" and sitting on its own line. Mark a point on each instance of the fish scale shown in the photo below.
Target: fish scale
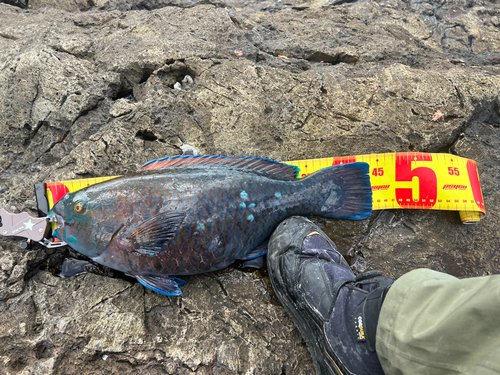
{"x": 200, "y": 214}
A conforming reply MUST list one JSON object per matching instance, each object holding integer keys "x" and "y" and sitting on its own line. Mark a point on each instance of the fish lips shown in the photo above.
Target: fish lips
{"x": 58, "y": 219}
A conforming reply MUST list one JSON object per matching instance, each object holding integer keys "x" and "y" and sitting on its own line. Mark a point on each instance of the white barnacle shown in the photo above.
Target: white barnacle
{"x": 187, "y": 80}
{"x": 189, "y": 150}
{"x": 184, "y": 84}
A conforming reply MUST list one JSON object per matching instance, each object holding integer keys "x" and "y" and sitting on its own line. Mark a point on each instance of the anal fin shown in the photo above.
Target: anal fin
{"x": 253, "y": 263}
{"x": 258, "y": 251}
{"x": 255, "y": 259}
{"x": 166, "y": 285}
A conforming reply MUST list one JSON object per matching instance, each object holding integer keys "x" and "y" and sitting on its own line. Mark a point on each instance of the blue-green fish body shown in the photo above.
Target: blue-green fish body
{"x": 188, "y": 215}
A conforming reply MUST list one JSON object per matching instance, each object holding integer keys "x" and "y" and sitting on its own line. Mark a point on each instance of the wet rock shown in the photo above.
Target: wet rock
{"x": 13, "y": 269}
{"x": 121, "y": 107}
{"x": 87, "y": 89}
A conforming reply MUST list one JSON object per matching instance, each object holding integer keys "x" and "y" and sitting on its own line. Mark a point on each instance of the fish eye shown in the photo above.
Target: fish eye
{"x": 78, "y": 207}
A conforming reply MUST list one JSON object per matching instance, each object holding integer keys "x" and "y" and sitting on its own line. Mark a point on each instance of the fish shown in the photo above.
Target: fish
{"x": 186, "y": 215}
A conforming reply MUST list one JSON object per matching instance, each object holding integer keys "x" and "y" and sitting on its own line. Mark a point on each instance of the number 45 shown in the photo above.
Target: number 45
{"x": 378, "y": 171}
{"x": 453, "y": 171}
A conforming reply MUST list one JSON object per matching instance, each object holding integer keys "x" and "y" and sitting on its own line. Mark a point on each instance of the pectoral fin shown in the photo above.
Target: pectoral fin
{"x": 166, "y": 285}
{"x": 150, "y": 236}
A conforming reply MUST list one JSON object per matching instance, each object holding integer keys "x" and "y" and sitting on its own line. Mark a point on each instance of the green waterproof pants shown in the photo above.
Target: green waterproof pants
{"x": 434, "y": 323}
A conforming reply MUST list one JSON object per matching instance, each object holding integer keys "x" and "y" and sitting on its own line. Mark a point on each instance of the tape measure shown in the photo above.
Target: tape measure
{"x": 399, "y": 180}
{"x": 54, "y": 191}
{"x": 416, "y": 181}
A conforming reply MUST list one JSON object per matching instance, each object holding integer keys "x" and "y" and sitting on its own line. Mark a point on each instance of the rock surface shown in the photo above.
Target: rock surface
{"x": 87, "y": 89}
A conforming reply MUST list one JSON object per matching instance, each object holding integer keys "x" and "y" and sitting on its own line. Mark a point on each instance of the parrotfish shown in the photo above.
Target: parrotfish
{"x": 192, "y": 214}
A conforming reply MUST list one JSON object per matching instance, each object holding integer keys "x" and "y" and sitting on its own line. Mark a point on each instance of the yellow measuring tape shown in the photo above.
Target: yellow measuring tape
{"x": 399, "y": 180}
{"x": 416, "y": 181}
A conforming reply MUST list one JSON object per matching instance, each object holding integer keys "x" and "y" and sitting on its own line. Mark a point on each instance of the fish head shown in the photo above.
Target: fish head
{"x": 81, "y": 223}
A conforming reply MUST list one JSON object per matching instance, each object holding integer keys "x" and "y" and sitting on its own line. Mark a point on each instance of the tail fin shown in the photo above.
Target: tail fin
{"x": 354, "y": 201}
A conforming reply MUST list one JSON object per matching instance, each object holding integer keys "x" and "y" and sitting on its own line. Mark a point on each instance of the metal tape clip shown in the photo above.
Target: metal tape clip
{"x": 51, "y": 244}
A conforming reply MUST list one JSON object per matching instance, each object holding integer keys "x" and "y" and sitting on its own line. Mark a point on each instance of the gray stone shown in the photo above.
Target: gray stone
{"x": 87, "y": 90}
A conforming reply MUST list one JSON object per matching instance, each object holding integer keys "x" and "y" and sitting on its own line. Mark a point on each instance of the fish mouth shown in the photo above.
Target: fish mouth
{"x": 58, "y": 219}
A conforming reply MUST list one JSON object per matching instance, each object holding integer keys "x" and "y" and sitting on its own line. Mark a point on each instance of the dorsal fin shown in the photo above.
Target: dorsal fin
{"x": 278, "y": 169}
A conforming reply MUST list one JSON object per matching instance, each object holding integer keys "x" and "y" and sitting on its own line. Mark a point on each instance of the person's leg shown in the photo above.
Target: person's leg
{"x": 434, "y": 323}
{"x": 426, "y": 323}
{"x": 335, "y": 311}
